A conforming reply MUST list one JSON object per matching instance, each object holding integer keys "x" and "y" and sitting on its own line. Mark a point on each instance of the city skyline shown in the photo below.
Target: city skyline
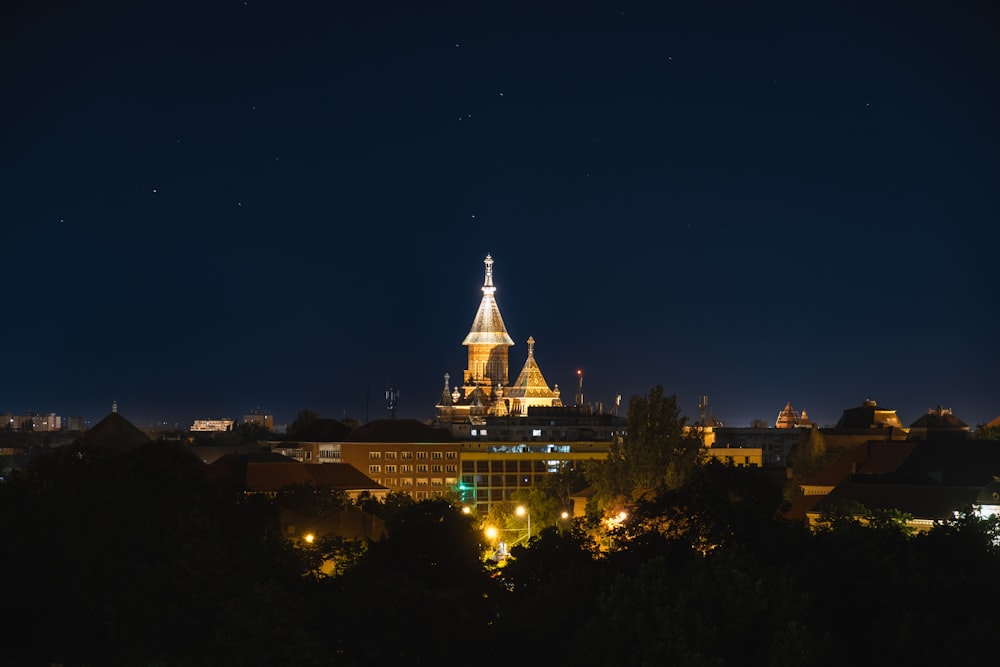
{"x": 214, "y": 209}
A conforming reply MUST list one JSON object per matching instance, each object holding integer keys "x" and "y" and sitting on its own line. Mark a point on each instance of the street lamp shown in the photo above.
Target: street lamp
{"x": 523, "y": 511}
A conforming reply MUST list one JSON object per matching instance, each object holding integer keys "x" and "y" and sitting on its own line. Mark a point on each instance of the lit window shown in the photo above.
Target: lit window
{"x": 374, "y": 468}
{"x": 537, "y": 432}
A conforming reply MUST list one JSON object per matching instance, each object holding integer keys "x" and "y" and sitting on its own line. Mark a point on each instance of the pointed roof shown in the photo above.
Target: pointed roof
{"x": 940, "y": 419}
{"x": 446, "y": 397}
{"x": 488, "y": 327}
{"x": 114, "y": 431}
{"x": 530, "y": 383}
{"x": 787, "y": 418}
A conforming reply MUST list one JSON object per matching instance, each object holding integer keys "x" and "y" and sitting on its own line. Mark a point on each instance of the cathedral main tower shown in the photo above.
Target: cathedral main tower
{"x": 487, "y": 343}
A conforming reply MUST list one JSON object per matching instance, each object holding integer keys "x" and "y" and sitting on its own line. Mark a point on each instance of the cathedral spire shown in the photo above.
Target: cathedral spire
{"x": 487, "y": 341}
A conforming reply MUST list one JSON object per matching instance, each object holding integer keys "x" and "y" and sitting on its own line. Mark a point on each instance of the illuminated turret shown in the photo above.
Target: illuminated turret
{"x": 487, "y": 342}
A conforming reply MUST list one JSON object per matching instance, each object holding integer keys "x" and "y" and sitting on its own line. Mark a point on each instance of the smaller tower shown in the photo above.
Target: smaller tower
{"x": 579, "y": 389}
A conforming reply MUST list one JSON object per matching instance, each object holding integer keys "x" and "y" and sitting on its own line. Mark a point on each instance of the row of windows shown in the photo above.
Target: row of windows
{"x": 512, "y": 466}
{"x": 511, "y": 481}
{"x": 437, "y": 456}
{"x": 421, "y": 467}
{"x": 418, "y": 482}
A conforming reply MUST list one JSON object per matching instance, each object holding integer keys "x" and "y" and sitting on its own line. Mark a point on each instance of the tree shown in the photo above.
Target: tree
{"x": 986, "y": 432}
{"x": 657, "y": 452}
{"x": 304, "y": 417}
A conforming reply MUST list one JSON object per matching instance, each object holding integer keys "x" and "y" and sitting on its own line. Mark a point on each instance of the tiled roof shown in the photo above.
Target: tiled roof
{"x": 939, "y": 419}
{"x": 872, "y": 457}
{"x": 399, "y": 430}
{"x": 923, "y": 501}
{"x": 869, "y": 415}
{"x": 530, "y": 383}
{"x": 321, "y": 430}
{"x": 274, "y": 476}
{"x": 114, "y": 431}
{"x": 340, "y": 476}
{"x": 962, "y": 462}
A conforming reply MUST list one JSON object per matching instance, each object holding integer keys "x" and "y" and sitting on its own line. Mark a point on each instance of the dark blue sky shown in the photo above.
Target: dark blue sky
{"x": 214, "y": 206}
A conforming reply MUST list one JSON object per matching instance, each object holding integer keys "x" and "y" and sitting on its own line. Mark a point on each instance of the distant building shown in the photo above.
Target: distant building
{"x": 929, "y": 475}
{"x": 741, "y": 457}
{"x": 869, "y": 417}
{"x": 212, "y": 425}
{"x": 936, "y": 423}
{"x": 789, "y": 418}
{"x": 260, "y": 418}
{"x": 33, "y": 421}
{"x": 405, "y": 455}
{"x": 774, "y": 444}
{"x": 319, "y": 441}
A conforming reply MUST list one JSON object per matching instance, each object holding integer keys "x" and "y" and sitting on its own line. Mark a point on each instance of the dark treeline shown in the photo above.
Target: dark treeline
{"x": 145, "y": 558}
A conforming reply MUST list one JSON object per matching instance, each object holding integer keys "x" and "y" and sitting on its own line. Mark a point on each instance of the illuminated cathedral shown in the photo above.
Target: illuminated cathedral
{"x": 485, "y": 390}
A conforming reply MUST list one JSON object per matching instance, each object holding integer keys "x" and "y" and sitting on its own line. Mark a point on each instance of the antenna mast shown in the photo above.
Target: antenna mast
{"x": 391, "y": 399}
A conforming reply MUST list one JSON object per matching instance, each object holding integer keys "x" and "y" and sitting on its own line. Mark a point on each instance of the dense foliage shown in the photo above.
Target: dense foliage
{"x": 143, "y": 558}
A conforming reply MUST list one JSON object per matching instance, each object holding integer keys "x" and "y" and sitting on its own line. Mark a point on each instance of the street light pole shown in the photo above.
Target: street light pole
{"x": 523, "y": 511}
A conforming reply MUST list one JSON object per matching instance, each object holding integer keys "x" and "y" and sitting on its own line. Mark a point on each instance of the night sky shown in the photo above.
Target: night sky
{"x": 214, "y": 206}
